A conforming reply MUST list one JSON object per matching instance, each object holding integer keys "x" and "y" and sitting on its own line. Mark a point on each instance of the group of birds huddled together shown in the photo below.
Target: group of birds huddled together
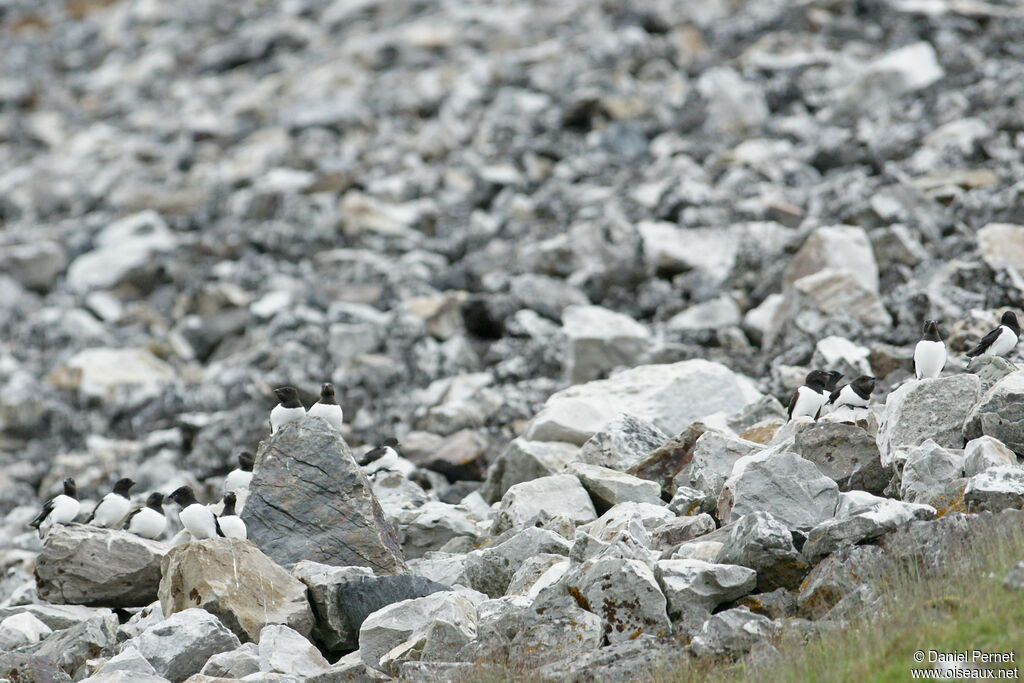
{"x": 820, "y": 390}
{"x": 115, "y": 510}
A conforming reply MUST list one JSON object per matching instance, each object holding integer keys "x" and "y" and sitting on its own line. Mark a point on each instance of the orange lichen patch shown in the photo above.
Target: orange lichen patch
{"x": 581, "y": 599}
{"x": 27, "y": 21}
{"x": 955, "y": 505}
{"x": 760, "y": 433}
{"x": 77, "y": 9}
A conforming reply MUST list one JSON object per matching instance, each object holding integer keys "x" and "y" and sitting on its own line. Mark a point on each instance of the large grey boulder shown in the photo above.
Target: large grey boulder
{"x": 927, "y": 409}
{"x": 995, "y": 489}
{"x": 309, "y": 500}
{"x": 836, "y": 576}
{"x": 433, "y": 525}
{"x": 693, "y": 587}
{"x": 524, "y": 460}
{"x": 542, "y": 499}
{"x": 864, "y": 526}
{"x": 600, "y": 340}
{"x": 839, "y": 247}
{"x": 666, "y": 461}
{"x": 87, "y": 565}
{"x": 714, "y": 455}
{"x": 985, "y": 452}
{"x": 757, "y": 540}
{"x": 669, "y": 396}
{"x": 1000, "y": 413}
{"x": 490, "y": 570}
{"x": 930, "y": 475}
{"x": 624, "y": 593}
{"x": 17, "y": 666}
{"x": 608, "y": 487}
{"x": 236, "y": 663}
{"x": 622, "y": 443}
{"x": 179, "y": 646}
{"x": 72, "y": 647}
{"x": 733, "y": 631}
{"x": 122, "y": 249}
{"x": 395, "y": 624}
{"x": 640, "y": 659}
{"x": 675, "y": 532}
{"x": 792, "y": 489}
{"x": 232, "y": 579}
{"x": 844, "y": 453}
{"x": 285, "y": 651}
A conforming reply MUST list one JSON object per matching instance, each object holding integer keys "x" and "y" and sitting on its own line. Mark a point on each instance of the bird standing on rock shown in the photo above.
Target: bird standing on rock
{"x": 114, "y": 506}
{"x": 808, "y": 399}
{"x": 61, "y": 509}
{"x": 231, "y": 525}
{"x": 288, "y": 410}
{"x": 855, "y": 394}
{"x": 240, "y": 477}
{"x": 327, "y": 407}
{"x": 831, "y": 383}
{"x": 195, "y": 517}
{"x": 999, "y": 341}
{"x": 930, "y": 352}
{"x": 149, "y": 521}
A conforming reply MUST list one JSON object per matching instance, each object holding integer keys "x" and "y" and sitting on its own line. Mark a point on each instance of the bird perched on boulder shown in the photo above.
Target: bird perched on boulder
{"x": 808, "y": 399}
{"x": 855, "y": 394}
{"x": 327, "y": 407}
{"x": 930, "y": 352}
{"x": 385, "y": 457}
{"x": 289, "y": 409}
{"x": 240, "y": 477}
{"x": 832, "y": 382}
{"x": 61, "y": 509}
{"x": 148, "y": 521}
{"x": 231, "y": 525}
{"x": 195, "y": 517}
{"x": 999, "y": 341}
{"x": 114, "y": 506}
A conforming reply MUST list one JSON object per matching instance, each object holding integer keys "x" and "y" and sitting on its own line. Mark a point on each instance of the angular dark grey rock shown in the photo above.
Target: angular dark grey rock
{"x": 621, "y": 443}
{"x": 995, "y": 489}
{"x": 757, "y": 540}
{"x": 927, "y": 409}
{"x": 1000, "y": 414}
{"x": 733, "y": 631}
{"x": 846, "y": 454}
{"x": 309, "y": 500}
{"x": 180, "y": 645}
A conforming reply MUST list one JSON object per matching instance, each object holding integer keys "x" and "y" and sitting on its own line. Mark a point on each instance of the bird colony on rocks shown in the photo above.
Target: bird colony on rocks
{"x": 547, "y": 278}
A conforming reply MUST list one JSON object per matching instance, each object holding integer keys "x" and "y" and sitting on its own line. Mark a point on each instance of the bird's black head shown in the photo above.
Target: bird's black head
{"x": 288, "y": 396}
{"x": 123, "y": 485}
{"x": 818, "y": 379}
{"x": 246, "y": 461}
{"x": 327, "y": 389}
{"x": 931, "y": 331}
{"x": 833, "y": 379}
{"x": 156, "y": 501}
{"x": 390, "y": 442}
{"x": 70, "y": 488}
{"x": 229, "y": 505}
{"x": 864, "y": 384}
{"x": 183, "y": 496}
{"x": 1010, "y": 320}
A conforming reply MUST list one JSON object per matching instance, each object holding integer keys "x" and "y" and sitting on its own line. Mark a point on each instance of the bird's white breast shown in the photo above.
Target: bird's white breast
{"x": 65, "y": 509}
{"x": 237, "y": 479}
{"x": 111, "y": 510}
{"x": 929, "y": 358}
{"x": 330, "y": 412}
{"x": 281, "y": 416}
{"x": 232, "y": 526}
{"x": 849, "y": 397}
{"x": 147, "y": 523}
{"x": 1003, "y": 344}
{"x": 199, "y": 521}
{"x": 808, "y": 402}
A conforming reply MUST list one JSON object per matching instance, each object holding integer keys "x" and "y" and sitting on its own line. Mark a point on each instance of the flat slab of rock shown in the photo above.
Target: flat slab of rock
{"x": 1000, "y": 413}
{"x": 697, "y": 585}
{"x": 669, "y": 396}
{"x": 846, "y": 454}
{"x": 232, "y": 579}
{"x": 600, "y": 340}
{"x": 524, "y": 460}
{"x": 927, "y": 409}
{"x": 309, "y": 500}
{"x": 666, "y": 461}
{"x": 86, "y": 565}
{"x": 608, "y": 487}
{"x": 179, "y": 646}
{"x": 995, "y": 489}
{"x": 542, "y": 499}
{"x": 867, "y": 525}
{"x": 622, "y": 443}
{"x": 395, "y": 624}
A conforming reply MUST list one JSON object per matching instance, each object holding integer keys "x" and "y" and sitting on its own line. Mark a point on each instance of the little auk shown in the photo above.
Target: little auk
{"x": 288, "y": 410}
{"x": 195, "y": 517}
{"x": 61, "y": 509}
{"x": 231, "y": 524}
{"x": 240, "y": 477}
{"x": 999, "y": 341}
{"x": 930, "y": 352}
{"x": 386, "y": 457}
{"x": 149, "y": 521}
{"x": 831, "y": 383}
{"x": 808, "y": 399}
{"x": 114, "y": 506}
{"x": 855, "y": 394}
{"x": 327, "y": 407}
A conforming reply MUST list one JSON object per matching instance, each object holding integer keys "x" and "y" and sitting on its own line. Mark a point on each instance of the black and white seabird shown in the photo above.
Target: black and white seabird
{"x": 61, "y": 509}
{"x": 231, "y": 525}
{"x": 113, "y": 507}
{"x": 808, "y": 399}
{"x": 386, "y": 451}
{"x": 327, "y": 407}
{"x": 930, "y": 352}
{"x": 831, "y": 383}
{"x": 239, "y": 478}
{"x": 999, "y": 341}
{"x": 195, "y": 517}
{"x": 855, "y": 394}
{"x": 288, "y": 410}
{"x": 149, "y": 521}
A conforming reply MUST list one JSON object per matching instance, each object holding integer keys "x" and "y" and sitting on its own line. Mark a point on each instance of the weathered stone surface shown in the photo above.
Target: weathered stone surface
{"x": 792, "y": 489}
{"x": 434, "y": 524}
{"x": 839, "y": 247}
{"x": 757, "y": 540}
{"x": 397, "y": 623}
{"x": 236, "y": 663}
{"x": 624, "y": 593}
{"x": 99, "y": 567}
{"x": 125, "y": 376}
{"x": 731, "y": 632}
{"x": 995, "y": 489}
{"x": 668, "y": 459}
{"x": 536, "y": 573}
{"x": 815, "y": 299}
{"x": 129, "y": 659}
{"x": 846, "y": 454}
{"x": 928, "y": 472}
{"x": 122, "y": 248}
{"x": 21, "y": 629}
{"x": 695, "y": 587}
{"x": 1014, "y": 579}
{"x": 688, "y": 501}
{"x": 927, "y": 409}
{"x": 490, "y": 570}
{"x": 600, "y": 340}
{"x": 835, "y": 576}
{"x": 985, "y": 452}
{"x": 865, "y": 525}
{"x": 16, "y": 666}
{"x": 72, "y": 647}
{"x": 1000, "y": 413}
{"x": 349, "y": 668}
{"x": 179, "y": 646}
{"x": 232, "y": 579}
{"x": 308, "y": 500}
{"x": 674, "y": 532}
{"x": 524, "y": 460}
{"x": 608, "y": 487}
{"x": 622, "y": 443}
{"x": 541, "y": 499}
{"x": 669, "y": 396}
{"x": 714, "y": 455}
{"x": 641, "y": 658}
{"x": 284, "y": 650}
